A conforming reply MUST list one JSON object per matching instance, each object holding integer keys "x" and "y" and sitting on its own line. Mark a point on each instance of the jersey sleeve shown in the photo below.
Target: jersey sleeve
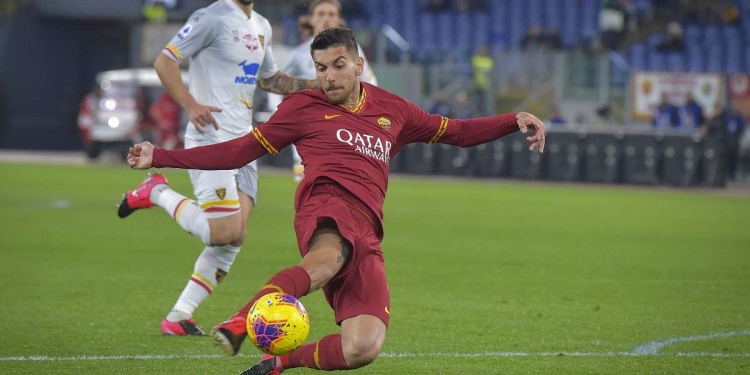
{"x": 367, "y": 74}
{"x": 194, "y": 36}
{"x": 269, "y": 67}
{"x": 420, "y": 126}
{"x": 281, "y": 130}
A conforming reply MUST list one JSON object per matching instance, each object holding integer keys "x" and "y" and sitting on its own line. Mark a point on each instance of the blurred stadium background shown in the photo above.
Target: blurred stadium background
{"x": 552, "y": 278}
{"x": 611, "y": 77}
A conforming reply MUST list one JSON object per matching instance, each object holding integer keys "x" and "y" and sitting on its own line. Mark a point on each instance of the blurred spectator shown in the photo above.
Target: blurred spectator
{"x": 735, "y": 125}
{"x": 87, "y": 120}
{"x": 728, "y": 11}
{"x": 166, "y": 115}
{"x": 533, "y": 38}
{"x": 552, "y": 39}
{"x": 305, "y": 28}
{"x": 673, "y": 42}
{"x": 611, "y": 24}
{"x": 437, "y": 6}
{"x": 555, "y": 118}
{"x": 482, "y": 65}
{"x": 470, "y": 6}
{"x": 691, "y": 114}
{"x": 665, "y": 115}
{"x": 664, "y": 8}
{"x": 352, "y": 9}
{"x": 303, "y": 7}
{"x": 462, "y": 109}
{"x": 440, "y": 106}
{"x": 631, "y": 14}
{"x": 154, "y": 11}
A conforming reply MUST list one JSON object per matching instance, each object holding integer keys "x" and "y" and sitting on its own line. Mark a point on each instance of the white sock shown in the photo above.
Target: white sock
{"x": 210, "y": 269}
{"x": 185, "y": 211}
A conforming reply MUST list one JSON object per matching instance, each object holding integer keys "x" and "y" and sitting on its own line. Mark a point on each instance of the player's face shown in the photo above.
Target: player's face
{"x": 324, "y": 16}
{"x": 338, "y": 73}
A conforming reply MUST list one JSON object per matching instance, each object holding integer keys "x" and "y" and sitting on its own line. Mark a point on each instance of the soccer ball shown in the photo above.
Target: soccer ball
{"x": 277, "y": 324}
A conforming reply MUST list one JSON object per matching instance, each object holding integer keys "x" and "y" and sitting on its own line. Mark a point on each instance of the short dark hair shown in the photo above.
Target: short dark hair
{"x": 335, "y": 37}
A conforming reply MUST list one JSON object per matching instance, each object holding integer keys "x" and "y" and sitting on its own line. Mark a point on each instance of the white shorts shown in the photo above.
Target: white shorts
{"x": 216, "y": 191}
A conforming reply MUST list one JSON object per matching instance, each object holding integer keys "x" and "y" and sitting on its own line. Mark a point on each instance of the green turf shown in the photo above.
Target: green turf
{"x": 473, "y": 268}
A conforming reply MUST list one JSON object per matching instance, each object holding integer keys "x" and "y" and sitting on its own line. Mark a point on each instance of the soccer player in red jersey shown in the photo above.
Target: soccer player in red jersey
{"x": 346, "y": 132}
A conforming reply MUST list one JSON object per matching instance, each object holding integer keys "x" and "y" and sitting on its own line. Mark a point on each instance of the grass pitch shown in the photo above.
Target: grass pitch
{"x": 486, "y": 278}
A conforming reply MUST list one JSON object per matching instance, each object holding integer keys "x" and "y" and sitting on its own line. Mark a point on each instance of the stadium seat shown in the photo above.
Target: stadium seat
{"x": 571, "y": 23}
{"x": 656, "y": 61}
{"x": 714, "y": 58}
{"x": 695, "y": 57}
{"x": 553, "y": 14}
{"x": 481, "y": 29}
{"x": 734, "y": 59}
{"x": 637, "y": 57}
{"x": 676, "y": 62}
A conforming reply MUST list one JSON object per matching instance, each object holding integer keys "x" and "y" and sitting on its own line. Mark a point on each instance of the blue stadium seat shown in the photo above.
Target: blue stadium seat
{"x": 553, "y": 14}
{"x": 734, "y": 59}
{"x": 676, "y": 62}
{"x": 747, "y": 59}
{"x": 534, "y": 14}
{"x": 518, "y": 24}
{"x": 715, "y": 58}
{"x": 571, "y": 23}
{"x": 656, "y": 61}
{"x": 446, "y": 34}
{"x": 637, "y": 57}
{"x": 464, "y": 31}
{"x": 427, "y": 31}
{"x": 481, "y": 29}
{"x": 590, "y": 19}
{"x": 711, "y": 35}
{"x": 693, "y": 34}
{"x": 695, "y": 57}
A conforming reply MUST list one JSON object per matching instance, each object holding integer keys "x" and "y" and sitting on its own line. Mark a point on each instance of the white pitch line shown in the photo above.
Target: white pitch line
{"x": 653, "y": 348}
{"x": 150, "y": 357}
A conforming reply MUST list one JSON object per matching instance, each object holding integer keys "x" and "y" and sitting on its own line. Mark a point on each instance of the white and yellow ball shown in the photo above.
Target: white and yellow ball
{"x": 278, "y": 323}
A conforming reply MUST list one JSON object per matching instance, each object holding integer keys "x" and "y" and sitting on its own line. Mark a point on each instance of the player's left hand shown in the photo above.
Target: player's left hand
{"x": 141, "y": 155}
{"x": 530, "y": 123}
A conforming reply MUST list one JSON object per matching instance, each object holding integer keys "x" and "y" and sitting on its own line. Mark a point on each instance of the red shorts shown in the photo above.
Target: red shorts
{"x": 360, "y": 287}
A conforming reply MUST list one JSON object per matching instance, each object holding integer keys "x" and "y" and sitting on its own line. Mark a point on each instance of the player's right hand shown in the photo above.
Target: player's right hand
{"x": 200, "y": 116}
{"x": 141, "y": 155}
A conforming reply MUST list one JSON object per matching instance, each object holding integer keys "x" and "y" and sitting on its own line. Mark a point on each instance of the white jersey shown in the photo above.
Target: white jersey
{"x": 228, "y": 53}
{"x": 300, "y": 64}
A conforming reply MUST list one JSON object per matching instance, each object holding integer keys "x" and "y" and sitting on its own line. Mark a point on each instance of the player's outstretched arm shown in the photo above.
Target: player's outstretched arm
{"x": 283, "y": 84}
{"x": 226, "y": 155}
{"x": 424, "y": 127}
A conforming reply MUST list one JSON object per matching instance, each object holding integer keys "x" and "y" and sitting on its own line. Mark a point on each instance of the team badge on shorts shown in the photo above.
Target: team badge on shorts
{"x": 220, "y": 275}
{"x": 221, "y": 193}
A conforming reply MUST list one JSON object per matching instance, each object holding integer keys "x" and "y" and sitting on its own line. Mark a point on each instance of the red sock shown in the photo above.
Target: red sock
{"x": 326, "y": 354}
{"x": 294, "y": 281}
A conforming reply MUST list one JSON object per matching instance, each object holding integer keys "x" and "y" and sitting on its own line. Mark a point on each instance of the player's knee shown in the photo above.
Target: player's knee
{"x": 362, "y": 350}
{"x": 227, "y": 235}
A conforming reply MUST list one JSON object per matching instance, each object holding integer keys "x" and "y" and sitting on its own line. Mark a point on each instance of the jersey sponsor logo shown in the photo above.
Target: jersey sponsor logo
{"x": 250, "y": 73}
{"x": 184, "y": 31}
{"x": 328, "y": 117}
{"x": 251, "y": 42}
{"x": 366, "y": 144}
{"x": 384, "y": 123}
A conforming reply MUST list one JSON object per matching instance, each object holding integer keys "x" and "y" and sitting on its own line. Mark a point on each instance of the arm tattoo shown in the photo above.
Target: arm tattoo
{"x": 281, "y": 83}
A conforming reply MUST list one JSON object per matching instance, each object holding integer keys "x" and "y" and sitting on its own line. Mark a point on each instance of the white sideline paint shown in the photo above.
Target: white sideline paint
{"x": 653, "y": 348}
{"x": 650, "y": 349}
{"x": 148, "y": 357}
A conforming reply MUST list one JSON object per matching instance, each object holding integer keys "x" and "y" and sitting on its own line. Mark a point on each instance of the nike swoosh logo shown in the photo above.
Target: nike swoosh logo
{"x": 328, "y": 117}
{"x": 386, "y": 311}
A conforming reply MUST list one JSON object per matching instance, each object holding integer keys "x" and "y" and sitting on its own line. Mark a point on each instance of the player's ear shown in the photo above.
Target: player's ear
{"x": 359, "y": 65}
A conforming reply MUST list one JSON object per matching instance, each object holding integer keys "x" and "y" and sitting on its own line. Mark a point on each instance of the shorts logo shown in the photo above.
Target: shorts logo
{"x": 384, "y": 123}
{"x": 220, "y": 275}
{"x": 386, "y": 311}
{"x": 221, "y": 193}
{"x": 262, "y": 40}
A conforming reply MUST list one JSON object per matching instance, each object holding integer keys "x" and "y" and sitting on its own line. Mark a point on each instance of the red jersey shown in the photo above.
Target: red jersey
{"x": 351, "y": 147}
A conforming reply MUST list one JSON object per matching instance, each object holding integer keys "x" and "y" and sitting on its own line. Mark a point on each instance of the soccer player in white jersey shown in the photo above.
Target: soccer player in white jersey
{"x": 324, "y": 14}
{"x": 229, "y": 47}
